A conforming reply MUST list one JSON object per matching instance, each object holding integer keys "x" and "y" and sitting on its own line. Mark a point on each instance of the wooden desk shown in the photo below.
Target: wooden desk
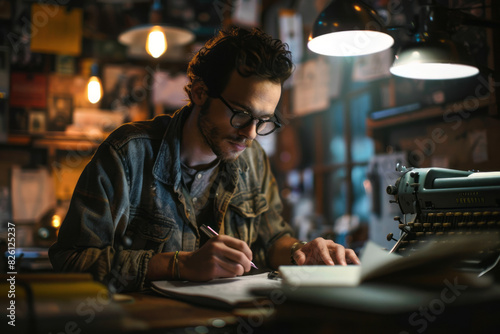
{"x": 150, "y": 313}
{"x": 154, "y": 314}
{"x": 467, "y": 311}
{"x": 74, "y": 304}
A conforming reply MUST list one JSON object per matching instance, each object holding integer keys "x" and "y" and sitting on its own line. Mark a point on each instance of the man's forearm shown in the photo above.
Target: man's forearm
{"x": 161, "y": 267}
{"x": 279, "y": 254}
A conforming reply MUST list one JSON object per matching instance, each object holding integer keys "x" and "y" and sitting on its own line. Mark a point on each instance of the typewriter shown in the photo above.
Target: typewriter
{"x": 439, "y": 203}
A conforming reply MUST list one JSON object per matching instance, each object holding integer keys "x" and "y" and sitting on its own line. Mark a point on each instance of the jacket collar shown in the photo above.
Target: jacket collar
{"x": 167, "y": 167}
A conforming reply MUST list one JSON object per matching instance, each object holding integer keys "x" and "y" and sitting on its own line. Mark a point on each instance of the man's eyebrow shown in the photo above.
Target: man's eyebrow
{"x": 250, "y": 109}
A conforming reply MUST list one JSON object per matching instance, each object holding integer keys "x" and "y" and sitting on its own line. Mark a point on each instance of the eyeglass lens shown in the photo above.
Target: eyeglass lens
{"x": 242, "y": 120}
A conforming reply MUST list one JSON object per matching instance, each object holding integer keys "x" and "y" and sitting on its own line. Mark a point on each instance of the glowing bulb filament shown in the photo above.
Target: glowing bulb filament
{"x": 94, "y": 89}
{"x": 156, "y": 44}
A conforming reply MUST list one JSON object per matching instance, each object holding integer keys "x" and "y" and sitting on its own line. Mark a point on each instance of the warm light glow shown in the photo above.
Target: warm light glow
{"x": 434, "y": 71}
{"x": 156, "y": 44}
{"x": 350, "y": 43}
{"x": 56, "y": 221}
{"x": 94, "y": 89}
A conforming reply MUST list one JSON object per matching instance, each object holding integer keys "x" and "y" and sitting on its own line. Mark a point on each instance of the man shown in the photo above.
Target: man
{"x": 156, "y": 182}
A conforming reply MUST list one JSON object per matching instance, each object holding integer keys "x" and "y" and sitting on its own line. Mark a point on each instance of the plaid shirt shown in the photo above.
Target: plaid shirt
{"x": 133, "y": 187}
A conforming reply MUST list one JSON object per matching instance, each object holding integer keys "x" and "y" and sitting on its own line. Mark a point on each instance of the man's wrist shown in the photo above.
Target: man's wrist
{"x": 176, "y": 274}
{"x": 296, "y": 246}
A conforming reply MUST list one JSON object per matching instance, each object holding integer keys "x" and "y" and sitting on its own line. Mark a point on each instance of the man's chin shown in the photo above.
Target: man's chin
{"x": 230, "y": 157}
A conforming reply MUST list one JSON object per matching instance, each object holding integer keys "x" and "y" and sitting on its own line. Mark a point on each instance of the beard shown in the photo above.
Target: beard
{"x": 214, "y": 138}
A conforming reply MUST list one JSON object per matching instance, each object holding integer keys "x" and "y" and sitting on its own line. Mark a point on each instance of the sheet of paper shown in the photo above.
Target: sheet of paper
{"x": 228, "y": 290}
{"x": 351, "y": 275}
{"x": 33, "y": 194}
{"x": 321, "y": 275}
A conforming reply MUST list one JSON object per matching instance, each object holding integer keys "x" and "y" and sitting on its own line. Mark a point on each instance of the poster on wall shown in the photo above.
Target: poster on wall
{"x": 372, "y": 67}
{"x": 60, "y": 112}
{"x": 58, "y": 29}
{"x": 246, "y": 13}
{"x": 127, "y": 90}
{"x": 311, "y": 87}
{"x": 168, "y": 90}
{"x": 28, "y": 90}
{"x": 290, "y": 32}
{"x": 37, "y": 121}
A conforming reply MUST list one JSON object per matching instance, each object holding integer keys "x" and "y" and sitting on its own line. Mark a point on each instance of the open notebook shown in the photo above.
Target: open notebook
{"x": 225, "y": 293}
{"x": 429, "y": 266}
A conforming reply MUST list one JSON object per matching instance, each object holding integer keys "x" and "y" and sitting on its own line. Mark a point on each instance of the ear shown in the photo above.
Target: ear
{"x": 199, "y": 93}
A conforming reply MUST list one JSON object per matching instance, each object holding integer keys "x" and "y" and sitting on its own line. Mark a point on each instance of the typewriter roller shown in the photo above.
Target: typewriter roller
{"x": 438, "y": 203}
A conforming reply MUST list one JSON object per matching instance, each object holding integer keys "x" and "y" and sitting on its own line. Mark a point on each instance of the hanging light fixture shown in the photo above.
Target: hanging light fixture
{"x": 432, "y": 55}
{"x": 154, "y": 38}
{"x": 94, "y": 85}
{"x": 348, "y": 28}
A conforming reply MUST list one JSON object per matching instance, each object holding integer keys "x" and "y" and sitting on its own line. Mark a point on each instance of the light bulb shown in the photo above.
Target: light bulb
{"x": 94, "y": 89}
{"x": 56, "y": 221}
{"x": 156, "y": 44}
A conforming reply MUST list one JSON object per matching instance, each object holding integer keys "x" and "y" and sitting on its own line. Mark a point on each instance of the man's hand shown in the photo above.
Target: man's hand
{"x": 321, "y": 251}
{"x": 221, "y": 256}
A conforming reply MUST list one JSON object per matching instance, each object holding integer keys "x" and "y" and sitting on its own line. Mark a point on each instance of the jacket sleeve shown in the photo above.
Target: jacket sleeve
{"x": 272, "y": 226}
{"x": 95, "y": 224}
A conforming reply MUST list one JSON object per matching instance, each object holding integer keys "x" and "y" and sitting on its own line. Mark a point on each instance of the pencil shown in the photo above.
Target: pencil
{"x": 210, "y": 232}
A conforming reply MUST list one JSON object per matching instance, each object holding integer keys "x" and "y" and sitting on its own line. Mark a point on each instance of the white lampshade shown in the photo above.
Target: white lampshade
{"x": 137, "y": 37}
{"x": 348, "y": 28}
{"x": 433, "y": 60}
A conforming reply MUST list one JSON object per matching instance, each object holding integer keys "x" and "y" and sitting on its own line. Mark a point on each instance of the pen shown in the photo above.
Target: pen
{"x": 211, "y": 233}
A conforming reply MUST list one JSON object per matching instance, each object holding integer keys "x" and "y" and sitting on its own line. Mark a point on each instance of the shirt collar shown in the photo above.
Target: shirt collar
{"x": 167, "y": 167}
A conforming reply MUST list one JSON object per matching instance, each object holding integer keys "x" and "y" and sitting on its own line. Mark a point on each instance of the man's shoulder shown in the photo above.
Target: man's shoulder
{"x": 152, "y": 130}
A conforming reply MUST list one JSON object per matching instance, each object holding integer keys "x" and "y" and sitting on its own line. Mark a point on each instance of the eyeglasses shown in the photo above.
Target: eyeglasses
{"x": 241, "y": 119}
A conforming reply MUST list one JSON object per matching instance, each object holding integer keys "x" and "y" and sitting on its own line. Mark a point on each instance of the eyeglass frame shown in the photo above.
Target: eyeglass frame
{"x": 252, "y": 118}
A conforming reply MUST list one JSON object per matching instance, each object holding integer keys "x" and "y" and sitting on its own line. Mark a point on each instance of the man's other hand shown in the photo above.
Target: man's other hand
{"x": 321, "y": 251}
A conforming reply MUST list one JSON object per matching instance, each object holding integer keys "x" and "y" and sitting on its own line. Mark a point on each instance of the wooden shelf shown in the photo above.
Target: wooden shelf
{"x": 55, "y": 141}
{"x": 430, "y": 113}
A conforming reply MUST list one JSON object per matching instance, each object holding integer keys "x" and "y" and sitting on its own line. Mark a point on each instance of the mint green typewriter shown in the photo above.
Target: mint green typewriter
{"x": 438, "y": 204}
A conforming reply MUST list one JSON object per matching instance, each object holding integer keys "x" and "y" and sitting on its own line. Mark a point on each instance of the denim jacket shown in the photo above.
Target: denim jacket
{"x": 132, "y": 187}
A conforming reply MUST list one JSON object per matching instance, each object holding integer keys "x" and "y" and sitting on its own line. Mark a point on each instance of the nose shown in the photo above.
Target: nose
{"x": 249, "y": 131}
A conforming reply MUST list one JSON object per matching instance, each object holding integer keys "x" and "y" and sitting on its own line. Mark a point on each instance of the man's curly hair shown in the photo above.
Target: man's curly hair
{"x": 250, "y": 52}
